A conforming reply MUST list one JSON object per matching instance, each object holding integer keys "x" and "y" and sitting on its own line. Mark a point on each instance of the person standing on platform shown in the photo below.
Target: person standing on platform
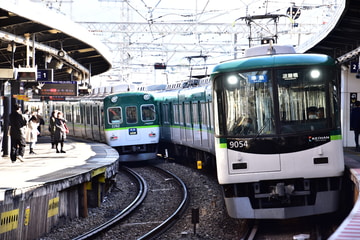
{"x": 17, "y": 134}
{"x": 52, "y": 128}
{"x": 60, "y": 132}
{"x": 27, "y": 115}
{"x": 32, "y": 132}
{"x": 355, "y": 123}
{"x": 40, "y": 119}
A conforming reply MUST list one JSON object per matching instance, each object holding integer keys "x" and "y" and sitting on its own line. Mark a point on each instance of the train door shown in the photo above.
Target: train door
{"x": 188, "y": 124}
{"x": 196, "y": 124}
{"x": 95, "y": 125}
{"x": 101, "y": 123}
{"x": 210, "y": 125}
{"x": 78, "y": 126}
{"x": 175, "y": 131}
{"x": 165, "y": 133}
{"x": 67, "y": 113}
{"x": 182, "y": 123}
{"x": 87, "y": 115}
{"x": 82, "y": 120}
{"x": 204, "y": 125}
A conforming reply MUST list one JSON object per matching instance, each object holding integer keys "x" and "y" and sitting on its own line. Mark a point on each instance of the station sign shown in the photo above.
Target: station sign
{"x": 60, "y": 88}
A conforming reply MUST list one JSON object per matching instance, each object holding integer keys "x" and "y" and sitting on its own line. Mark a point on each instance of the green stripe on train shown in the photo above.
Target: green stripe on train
{"x": 125, "y": 128}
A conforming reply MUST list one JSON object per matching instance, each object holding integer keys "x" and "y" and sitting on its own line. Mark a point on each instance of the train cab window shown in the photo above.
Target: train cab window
{"x": 148, "y": 112}
{"x": 243, "y": 103}
{"x": 302, "y": 99}
{"x": 131, "y": 115}
{"x": 114, "y": 115}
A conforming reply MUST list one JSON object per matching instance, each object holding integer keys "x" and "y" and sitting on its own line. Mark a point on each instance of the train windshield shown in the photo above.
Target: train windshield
{"x": 268, "y": 102}
{"x": 148, "y": 112}
{"x": 114, "y": 115}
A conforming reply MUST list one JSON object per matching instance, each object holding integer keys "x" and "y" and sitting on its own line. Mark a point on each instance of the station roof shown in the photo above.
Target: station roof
{"x": 345, "y": 36}
{"x": 50, "y": 34}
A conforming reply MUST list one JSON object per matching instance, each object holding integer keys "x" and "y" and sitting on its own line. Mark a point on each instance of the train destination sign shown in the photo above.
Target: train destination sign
{"x": 60, "y": 88}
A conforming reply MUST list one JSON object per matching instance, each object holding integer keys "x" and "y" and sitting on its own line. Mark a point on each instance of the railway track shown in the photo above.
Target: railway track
{"x": 310, "y": 228}
{"x": 157, "y": 189}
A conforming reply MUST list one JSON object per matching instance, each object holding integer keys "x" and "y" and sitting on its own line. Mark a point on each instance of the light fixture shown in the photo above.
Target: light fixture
{"x": 69, "y": 70}
{"x": 344, "y": 67}
{"x": 61, "y": 53}
{"x": 48, "y": 58}
{"x": 59, "y": 65}
{"x": 11, "y": 47}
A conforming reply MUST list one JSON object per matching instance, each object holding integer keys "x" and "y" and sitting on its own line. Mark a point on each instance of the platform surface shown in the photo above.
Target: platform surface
{"x": 48, "y": 166}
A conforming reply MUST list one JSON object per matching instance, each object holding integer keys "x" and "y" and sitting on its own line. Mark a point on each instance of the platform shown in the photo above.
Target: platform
{"x": 35, "y": 193}
{"x": 350, "y": 227}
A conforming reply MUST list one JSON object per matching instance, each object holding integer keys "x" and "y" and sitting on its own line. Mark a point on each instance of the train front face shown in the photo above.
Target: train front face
{"x": 278, "y": 141}
{"x": 132, "y": 125}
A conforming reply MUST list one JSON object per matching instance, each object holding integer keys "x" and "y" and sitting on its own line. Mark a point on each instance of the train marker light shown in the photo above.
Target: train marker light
{"x": 113, "y": 138}
{"x": 199, "y": 164}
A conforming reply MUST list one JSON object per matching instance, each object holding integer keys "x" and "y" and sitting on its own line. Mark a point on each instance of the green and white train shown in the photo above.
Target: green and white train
{"x": 270, "y": 123}
{"x": 126, "y": 121}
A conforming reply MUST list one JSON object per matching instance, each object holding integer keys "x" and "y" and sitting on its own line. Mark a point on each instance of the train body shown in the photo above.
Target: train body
{"x": 272, "y": 121}
{"x": 126, "y": 121}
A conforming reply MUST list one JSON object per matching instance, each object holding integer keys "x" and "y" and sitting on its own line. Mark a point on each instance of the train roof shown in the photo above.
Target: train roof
{"x": 275, "y": 60}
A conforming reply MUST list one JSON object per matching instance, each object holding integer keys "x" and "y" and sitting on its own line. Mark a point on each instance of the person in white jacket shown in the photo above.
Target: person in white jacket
{"x": 32, "y": 132}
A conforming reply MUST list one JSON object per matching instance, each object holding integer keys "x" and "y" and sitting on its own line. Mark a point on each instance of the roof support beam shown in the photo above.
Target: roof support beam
{"x": 42, "y": 47}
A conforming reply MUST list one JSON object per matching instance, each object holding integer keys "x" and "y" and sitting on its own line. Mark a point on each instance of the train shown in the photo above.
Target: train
{"x": 126, "y": 121}
{"x": 269, "y": 123}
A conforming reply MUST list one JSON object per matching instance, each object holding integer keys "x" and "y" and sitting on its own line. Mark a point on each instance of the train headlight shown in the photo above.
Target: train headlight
{"x": 315, "y": 73}
{"x": 114, "y": 99}
{"x": 146, "y": 97}
{"x": 232, "y": 80}
{"x": 152, "y": 134}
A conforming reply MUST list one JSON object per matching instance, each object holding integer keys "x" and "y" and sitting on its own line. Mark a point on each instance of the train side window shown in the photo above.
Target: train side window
{"x": 131, "y": 115}
{"x": 114, "y": 115}
{"x": 148, "y": 112}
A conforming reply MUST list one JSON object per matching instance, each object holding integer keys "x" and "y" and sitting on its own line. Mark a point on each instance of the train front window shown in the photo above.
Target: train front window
{"x": 131, "y": 115}
{"x": 148, "y": 112}
{"x": 245, "y": 101}
{"x": 302, "y": 99}
{"x": 114, "y": 115}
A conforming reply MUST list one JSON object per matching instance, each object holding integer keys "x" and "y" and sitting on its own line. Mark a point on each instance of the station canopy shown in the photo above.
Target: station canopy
{"x": 48, "y": 40}
{"x": 343, "y": 41}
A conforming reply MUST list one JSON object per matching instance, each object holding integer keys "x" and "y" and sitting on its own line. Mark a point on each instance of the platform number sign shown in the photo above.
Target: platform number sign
{"x": 354, "y": 67}
{"x": 45, "y": 75}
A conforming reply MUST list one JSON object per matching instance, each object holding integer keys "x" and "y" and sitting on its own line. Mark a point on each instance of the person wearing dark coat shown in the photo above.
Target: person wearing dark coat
{"x": 355, "y": 123}
{"x": 52, "y": 128}
{"x": 60, "y": 132}
{"x": 17, "y": 134}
